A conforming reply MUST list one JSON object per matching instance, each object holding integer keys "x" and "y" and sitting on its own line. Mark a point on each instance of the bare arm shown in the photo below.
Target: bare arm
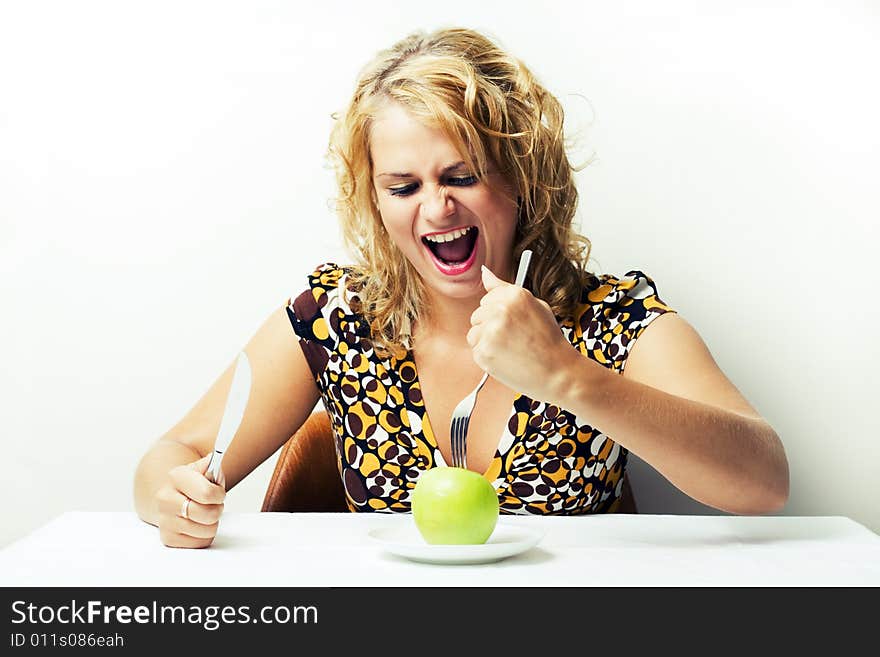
{"x": 676, "y": 409}
{"x": 283, "y": 394}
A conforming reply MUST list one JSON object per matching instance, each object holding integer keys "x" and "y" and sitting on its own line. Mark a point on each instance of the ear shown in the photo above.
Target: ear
{"x": 490, "y": 280}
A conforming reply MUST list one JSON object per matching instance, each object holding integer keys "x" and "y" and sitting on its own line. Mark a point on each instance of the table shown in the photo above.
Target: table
{"x": 327, "y": 550}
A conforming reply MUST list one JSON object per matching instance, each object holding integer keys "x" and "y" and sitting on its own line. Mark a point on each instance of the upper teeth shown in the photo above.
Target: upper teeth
{"x": 447, "y": 237}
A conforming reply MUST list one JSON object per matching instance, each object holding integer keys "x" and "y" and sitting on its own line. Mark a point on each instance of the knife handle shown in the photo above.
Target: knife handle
{"x": 213, "y": 471}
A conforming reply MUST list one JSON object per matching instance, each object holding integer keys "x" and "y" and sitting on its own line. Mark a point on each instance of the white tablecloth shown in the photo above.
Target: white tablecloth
{"x": 328, "y": 550}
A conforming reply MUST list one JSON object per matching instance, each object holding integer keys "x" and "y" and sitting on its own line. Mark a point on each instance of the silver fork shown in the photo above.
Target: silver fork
{"x": 461, "y": 415}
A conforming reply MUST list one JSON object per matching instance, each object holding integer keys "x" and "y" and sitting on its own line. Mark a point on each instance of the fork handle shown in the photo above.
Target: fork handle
{"x": 482, "y": 381}
{"x": 524, "y": 261}
{"x": 459, "y": 456}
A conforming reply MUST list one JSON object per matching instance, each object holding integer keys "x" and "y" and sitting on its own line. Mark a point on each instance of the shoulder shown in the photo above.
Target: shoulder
{"x": 322, "y": 290}
{"x": 635, "y": 288}
{"x": 612, "y": 314}
{"x": 325, "y": 277}
{"x": 319, "y": 309}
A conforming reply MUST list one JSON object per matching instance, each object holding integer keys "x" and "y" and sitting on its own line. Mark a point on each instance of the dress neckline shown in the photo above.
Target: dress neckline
{"x": 427, "y": 429}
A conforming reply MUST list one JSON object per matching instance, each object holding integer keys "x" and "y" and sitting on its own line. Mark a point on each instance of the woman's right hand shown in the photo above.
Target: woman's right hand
{"x": 202, "y": 514}
{"x": 282, "y": 396}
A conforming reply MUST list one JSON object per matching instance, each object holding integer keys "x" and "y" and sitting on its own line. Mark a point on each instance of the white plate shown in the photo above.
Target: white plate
{"x": 505, "y": 541}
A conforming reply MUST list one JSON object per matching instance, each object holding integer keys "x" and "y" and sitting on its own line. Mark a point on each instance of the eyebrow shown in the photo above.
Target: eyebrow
{"x": 409, "y": 175}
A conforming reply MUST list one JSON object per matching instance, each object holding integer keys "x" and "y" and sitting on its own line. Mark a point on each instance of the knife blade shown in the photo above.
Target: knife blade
{"x": 236, "y": 402}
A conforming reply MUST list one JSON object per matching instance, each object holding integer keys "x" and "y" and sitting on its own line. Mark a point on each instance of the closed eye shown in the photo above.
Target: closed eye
{"x": 456, "y": 181}
{"x": 402, "y": 191}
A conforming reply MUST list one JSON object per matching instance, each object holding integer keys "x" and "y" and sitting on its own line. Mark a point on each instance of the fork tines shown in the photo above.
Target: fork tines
{"x": 459, "y": 431}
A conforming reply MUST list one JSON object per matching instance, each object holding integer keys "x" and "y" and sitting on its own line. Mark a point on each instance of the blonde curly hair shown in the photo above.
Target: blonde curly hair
{"x": 491, "y": 107}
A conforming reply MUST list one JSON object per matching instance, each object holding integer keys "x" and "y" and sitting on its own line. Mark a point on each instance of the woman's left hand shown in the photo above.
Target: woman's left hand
{"x": 515, "y": 338}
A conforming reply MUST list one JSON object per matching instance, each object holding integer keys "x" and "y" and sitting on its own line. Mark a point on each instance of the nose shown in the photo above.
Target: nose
{"x": 436, "y": 203}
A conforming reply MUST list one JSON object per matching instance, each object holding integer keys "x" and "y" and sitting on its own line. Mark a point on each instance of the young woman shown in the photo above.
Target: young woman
{"x": 450, "y": 161}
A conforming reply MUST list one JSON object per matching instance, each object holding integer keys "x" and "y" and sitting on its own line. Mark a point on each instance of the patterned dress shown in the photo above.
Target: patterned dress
{"x": 548, "y": 461}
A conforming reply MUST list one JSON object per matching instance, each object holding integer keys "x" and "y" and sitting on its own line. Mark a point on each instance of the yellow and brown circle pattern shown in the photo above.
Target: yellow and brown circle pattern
{"x": 548, "y": 461}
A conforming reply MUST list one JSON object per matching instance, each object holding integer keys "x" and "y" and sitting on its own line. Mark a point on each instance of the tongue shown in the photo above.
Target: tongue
{"x": 453, "y": 251}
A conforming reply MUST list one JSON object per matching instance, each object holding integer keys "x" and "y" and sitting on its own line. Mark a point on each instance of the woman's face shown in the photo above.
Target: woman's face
{"x": 444, "y": 221}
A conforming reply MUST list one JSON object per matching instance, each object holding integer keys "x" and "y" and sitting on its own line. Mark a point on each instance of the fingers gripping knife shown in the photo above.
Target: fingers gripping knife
{"x": 232, "y": 414}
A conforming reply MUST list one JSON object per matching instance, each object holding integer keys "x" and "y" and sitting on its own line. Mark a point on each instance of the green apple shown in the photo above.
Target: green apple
{"x": 454, "y": 506}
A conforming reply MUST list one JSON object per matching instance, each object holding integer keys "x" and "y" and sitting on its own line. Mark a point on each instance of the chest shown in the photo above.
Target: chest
{"x": 444, "y": 383}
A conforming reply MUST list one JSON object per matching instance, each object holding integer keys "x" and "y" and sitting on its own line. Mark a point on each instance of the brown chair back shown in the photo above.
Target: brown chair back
{"x": 306, "y": 477}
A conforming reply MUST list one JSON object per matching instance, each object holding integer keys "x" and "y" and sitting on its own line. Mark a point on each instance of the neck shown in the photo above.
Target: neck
{"x": 449, "y": 323}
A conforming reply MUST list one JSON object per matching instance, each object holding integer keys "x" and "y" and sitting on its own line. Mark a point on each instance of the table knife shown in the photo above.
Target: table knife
{"x": 232, "y": 414}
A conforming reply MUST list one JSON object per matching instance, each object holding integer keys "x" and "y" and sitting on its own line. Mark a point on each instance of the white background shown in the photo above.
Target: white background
{"x": 163, "y": 189}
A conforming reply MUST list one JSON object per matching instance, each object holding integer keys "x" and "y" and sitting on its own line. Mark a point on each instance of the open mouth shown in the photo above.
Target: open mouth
{"x": 455, "y": 250}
